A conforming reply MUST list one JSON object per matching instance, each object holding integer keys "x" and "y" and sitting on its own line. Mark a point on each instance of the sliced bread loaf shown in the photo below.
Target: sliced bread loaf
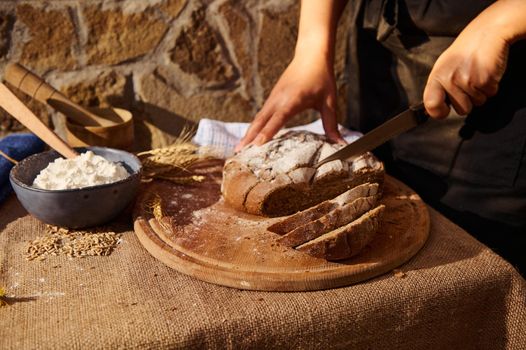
{"x": 329, "y": 222}
{"x": 303, "y": 217}
{"x": 348, "y": 240}
{"x": 279, "y": 178}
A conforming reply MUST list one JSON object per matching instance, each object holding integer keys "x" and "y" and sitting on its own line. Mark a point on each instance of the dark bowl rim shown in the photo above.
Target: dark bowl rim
{"x": 31, "y": 188}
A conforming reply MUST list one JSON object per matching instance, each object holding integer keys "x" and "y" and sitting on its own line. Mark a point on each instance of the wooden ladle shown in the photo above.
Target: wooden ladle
{"x": 34, "y": 86}
{"x": 12, "y": 105}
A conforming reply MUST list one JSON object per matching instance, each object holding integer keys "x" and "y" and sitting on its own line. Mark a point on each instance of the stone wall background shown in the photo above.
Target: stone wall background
{"x": 170, "y": 62}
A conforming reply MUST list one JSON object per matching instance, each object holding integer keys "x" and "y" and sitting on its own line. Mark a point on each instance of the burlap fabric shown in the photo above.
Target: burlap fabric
{"x": 456, "y": 295}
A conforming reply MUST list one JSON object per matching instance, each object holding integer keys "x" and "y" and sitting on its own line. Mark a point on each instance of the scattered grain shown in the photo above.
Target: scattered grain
{"x": 100, "y": 241}
{"x": 399, "y": 273}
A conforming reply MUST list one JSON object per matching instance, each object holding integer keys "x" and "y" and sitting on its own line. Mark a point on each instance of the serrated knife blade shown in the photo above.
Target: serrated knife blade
{"x": 408, "y": 119}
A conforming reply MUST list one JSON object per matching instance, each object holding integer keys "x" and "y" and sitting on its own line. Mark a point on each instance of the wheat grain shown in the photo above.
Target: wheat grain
{"x": 73, "y": 243}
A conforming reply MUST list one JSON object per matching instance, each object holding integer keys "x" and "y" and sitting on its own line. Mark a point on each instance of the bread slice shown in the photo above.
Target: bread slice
{"x": 346, "y": 241}
{"x": 301, "y": 218}
{"x": 329, "y": 222}
{"x": 308, "y": 215}
{"x": 280, "y": 177}
{"x": 364, "y": 190}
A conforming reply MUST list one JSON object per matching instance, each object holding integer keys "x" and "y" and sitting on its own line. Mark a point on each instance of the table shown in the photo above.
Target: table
{"x": 456, "y": 293}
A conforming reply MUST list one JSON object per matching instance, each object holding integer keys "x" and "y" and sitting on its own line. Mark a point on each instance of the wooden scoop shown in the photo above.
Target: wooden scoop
{"x": 12, "y": 105}
{"x": 34, "y": 86}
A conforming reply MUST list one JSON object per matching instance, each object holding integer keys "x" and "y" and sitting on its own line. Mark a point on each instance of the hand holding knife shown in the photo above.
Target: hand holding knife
{"x": 408, "y": 119}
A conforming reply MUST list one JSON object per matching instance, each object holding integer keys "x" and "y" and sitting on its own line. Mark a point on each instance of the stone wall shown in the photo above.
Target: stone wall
{"x": 169, "y": 61}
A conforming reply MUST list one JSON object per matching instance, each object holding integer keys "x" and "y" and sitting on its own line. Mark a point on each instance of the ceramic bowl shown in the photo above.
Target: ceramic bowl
{"x": 75, "y": 208}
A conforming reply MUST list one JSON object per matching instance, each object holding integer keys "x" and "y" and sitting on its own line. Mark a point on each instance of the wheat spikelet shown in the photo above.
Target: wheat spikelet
{"x": 154, "y": 206}
{"x": 172, "y": 162}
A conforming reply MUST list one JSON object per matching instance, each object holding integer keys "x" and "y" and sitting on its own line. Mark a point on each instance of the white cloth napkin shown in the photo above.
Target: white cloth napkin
{"x": 223, "y": 137}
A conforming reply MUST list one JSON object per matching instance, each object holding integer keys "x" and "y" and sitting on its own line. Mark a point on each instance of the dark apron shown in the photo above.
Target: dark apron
{"x": 476, "y": 164}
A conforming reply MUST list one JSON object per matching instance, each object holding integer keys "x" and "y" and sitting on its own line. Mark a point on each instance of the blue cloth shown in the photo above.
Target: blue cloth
{"x": 18, "y": 147}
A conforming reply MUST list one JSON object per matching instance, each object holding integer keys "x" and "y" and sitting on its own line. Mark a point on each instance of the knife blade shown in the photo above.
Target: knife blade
{"x": 408, "y": 119}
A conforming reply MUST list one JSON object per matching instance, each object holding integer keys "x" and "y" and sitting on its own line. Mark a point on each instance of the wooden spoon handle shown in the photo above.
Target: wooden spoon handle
{"x": 12, "y": 105}
{"x": 34, "y": 86}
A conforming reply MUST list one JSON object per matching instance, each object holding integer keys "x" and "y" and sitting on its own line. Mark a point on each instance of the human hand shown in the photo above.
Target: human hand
{"x": 469, "y": 71}
{"x": 306, "y": 83}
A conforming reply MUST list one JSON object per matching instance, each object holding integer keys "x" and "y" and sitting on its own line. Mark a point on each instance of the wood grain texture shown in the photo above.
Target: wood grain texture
{"x": 201, "y": 236}
{"x": 36, "y": 87}
{"x": 16, "y": 108}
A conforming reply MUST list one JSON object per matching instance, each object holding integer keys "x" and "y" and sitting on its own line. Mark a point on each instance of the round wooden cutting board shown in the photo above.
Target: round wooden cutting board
{"x": 202, "y": 237}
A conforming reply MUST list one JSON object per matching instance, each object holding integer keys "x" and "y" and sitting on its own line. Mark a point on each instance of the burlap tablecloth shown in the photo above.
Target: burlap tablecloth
{"x": 456, "y": 294}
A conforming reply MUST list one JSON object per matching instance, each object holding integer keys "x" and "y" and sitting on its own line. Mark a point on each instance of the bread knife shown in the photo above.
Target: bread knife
{"x": 408, "y": 119}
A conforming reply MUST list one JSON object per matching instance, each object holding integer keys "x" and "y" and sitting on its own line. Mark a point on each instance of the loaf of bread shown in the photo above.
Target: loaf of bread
{"x": 279, "y": 178}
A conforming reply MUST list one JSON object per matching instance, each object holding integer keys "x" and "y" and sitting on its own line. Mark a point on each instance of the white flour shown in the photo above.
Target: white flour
{"x": 88, "y": 169}
{"x": 295, "y": 153}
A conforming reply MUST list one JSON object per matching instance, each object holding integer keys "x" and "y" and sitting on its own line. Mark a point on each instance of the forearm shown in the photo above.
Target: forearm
{"x": 308, "y": 82}
{"x": 317, "y": 28}
{"x": 505, "y": 18}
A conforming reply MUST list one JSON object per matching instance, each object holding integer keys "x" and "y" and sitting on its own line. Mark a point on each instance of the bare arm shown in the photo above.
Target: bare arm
{"x": 317, "y": 28}
{"x": 308, "y": 81}
{"x": 470, "y": 70}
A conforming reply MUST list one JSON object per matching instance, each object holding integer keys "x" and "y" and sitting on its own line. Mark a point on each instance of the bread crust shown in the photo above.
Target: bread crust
{"x": 316, "y": 212}
{"x": 257, "y": 195}
{"x": 329, "y": 222}
{"x": 346, "y": 241}
{"x": 234, "y": 194}
{"x": 299, "y": 219}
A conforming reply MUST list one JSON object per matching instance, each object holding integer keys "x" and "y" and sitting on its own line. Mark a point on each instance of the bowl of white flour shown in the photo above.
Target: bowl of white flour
{"x": 88, "y": 190}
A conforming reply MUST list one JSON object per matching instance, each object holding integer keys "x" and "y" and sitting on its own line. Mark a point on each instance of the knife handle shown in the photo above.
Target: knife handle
{"x": 420, "y": 113}
{"x": 420, "y": 110}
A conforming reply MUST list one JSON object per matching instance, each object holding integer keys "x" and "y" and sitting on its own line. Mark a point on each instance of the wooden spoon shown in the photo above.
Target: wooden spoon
{"x": 34, "y": 86}
{"x": 12, "y": 105}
